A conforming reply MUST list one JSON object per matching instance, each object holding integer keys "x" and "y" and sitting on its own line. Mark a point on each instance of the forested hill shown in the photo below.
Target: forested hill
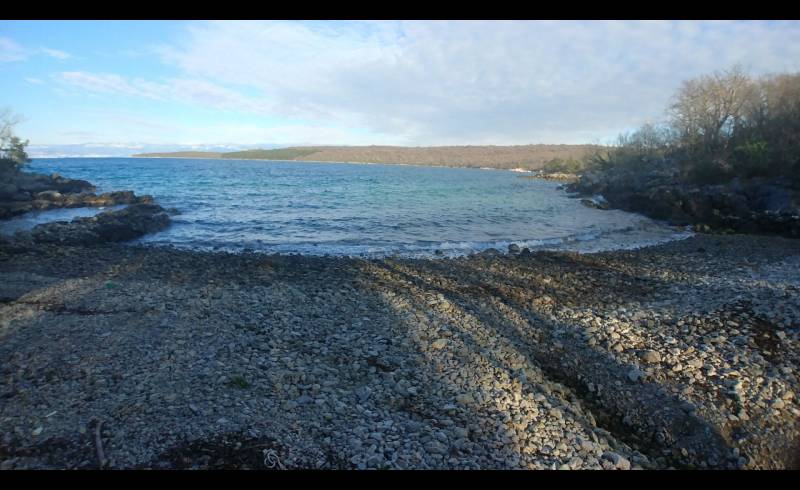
{"x": 524, "y": 156}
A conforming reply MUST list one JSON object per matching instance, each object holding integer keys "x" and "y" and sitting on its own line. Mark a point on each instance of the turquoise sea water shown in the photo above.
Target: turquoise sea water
{"x": 352, "y": 209}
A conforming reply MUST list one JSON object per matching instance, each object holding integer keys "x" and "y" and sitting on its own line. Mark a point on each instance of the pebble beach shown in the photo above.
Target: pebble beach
{"x": 680, "y": 355}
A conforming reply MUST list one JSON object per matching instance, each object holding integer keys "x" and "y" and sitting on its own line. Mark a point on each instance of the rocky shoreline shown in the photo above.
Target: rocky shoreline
{"x": 557, "y": 176}
{"x": 756, "y": 205}
{"x": 24, "y": 192}
{"x": 681, "y": 355}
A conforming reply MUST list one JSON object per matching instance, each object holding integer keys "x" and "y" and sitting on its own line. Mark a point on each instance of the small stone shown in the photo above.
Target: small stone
{"x": 465, "y": 399}
{"x": 435, "y": 447}
{"x": 620, "y": 462}
{"x": 439, "y": 344}
{"x": 651, "y": 356}
{"x": 635, "y": 375}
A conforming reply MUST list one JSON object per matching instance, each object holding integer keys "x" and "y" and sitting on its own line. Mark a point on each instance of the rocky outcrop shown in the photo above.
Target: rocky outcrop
{"x": 23, "y": 192}
{"x": 558, "y": 176}
{"x": 753, "y": 206}
{"x": 132, "y": 222}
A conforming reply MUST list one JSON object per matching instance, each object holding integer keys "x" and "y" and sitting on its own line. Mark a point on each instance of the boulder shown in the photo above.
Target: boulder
{"x": 8, "y": 191}
{"x": 113, "y": 226}
{"x": 657, "y": 191}
{"x": 593, "y": 203}
{"x": 49, "y": 196}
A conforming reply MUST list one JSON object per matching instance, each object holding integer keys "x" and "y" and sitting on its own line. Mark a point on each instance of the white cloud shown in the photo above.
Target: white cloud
{"x": 56, "y": 53}
{"x": 34, "y": 81}
{"x": 190, "y": 91}
{"x": 11, "y": 51}
{"x": 442, "y": 82}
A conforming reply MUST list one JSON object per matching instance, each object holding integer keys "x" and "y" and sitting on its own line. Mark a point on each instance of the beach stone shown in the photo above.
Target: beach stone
{"x": 439, "y": 344}
{"x": 635, "y": 375}
{"x": 465, "y": 399}
{"x": 619, "y": 461}
{"x": 651, "y": 356}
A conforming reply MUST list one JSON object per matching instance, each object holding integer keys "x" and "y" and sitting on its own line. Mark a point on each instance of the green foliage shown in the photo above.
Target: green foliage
{"x": 276, "y": 154}
{"x": 12, "y": 148}
{"x": 567, "y": 166}
{"x": 721, "y": 126}
{"x": 752, "y": 159}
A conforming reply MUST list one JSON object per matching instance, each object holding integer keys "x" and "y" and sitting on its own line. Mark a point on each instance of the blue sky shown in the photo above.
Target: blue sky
{"x": 133, "y": 85}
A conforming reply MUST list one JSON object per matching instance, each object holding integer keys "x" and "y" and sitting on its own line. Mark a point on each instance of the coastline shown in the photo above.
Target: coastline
{"x": 324, "y": 161}
{"x": 677, "y": 355}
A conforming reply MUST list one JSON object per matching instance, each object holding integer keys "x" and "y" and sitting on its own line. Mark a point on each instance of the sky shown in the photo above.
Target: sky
{"x": 122, "y": 87}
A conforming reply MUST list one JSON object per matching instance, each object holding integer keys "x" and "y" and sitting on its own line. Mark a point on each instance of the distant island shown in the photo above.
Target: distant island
{"x": 529, "y": 157}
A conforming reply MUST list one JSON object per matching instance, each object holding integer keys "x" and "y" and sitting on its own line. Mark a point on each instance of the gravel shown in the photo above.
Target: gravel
{"x": 682, "y": 355}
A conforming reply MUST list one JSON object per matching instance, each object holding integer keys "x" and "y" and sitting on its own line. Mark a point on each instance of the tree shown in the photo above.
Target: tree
{"x": 710, "y": 110}
{"x": 12, "y": 148}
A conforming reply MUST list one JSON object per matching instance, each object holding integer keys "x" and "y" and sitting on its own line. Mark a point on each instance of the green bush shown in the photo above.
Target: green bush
{"x": 723, "y": 126}
{"x": 752, "y": 160}
{"x": 560, "y": 165}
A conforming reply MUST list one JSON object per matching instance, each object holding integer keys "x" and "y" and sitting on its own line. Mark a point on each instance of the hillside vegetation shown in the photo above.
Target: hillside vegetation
{"x": 531, "y": 157}
{"x": 728, "y": 157}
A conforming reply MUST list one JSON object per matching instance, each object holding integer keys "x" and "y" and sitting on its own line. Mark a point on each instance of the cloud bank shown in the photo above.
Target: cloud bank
{"x": 439, "y": 83}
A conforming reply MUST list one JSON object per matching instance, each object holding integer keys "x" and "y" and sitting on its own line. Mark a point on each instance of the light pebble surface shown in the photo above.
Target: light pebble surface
{"x": 681, "y": 355}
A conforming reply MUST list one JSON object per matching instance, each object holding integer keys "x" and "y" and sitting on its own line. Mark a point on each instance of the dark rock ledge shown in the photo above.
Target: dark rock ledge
{"x": 22, "y": 192}
{"x": 132, "y": 222}
{"x": 757, "y": 206}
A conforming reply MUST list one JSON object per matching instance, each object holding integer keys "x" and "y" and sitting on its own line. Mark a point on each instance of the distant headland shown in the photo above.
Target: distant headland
{"x": 529, "y": 157}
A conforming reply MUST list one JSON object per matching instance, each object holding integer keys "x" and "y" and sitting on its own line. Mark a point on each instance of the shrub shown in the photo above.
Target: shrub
{"x": 12, "y": 149}
{"x": 720, "y": 126}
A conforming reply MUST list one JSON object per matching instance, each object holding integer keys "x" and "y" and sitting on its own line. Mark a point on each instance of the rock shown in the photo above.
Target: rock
{"x": 8, "y": 191}
{"x": 439, "y": 344}
{"x": 513, "y": 248}
{"x": 619, "y": 462}
{"x": 465, "y": 399}
{"x": 490, "y": 252}
{"x": 596, "y": 203}
{"x": 658, "y": 191}
{"x": 435, "y": 447}
{"x": 651, "y": 356}
{"x": 49, "y": 195}
{"x": 635, "y": 375}
{"x": 113, "y": 226}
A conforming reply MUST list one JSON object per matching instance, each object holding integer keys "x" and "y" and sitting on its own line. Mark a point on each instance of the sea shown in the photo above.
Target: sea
{"x": 366, "y": 210}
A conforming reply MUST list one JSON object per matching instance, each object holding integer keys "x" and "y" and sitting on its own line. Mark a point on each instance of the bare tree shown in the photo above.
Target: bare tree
{"x": 711, "y": 109}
